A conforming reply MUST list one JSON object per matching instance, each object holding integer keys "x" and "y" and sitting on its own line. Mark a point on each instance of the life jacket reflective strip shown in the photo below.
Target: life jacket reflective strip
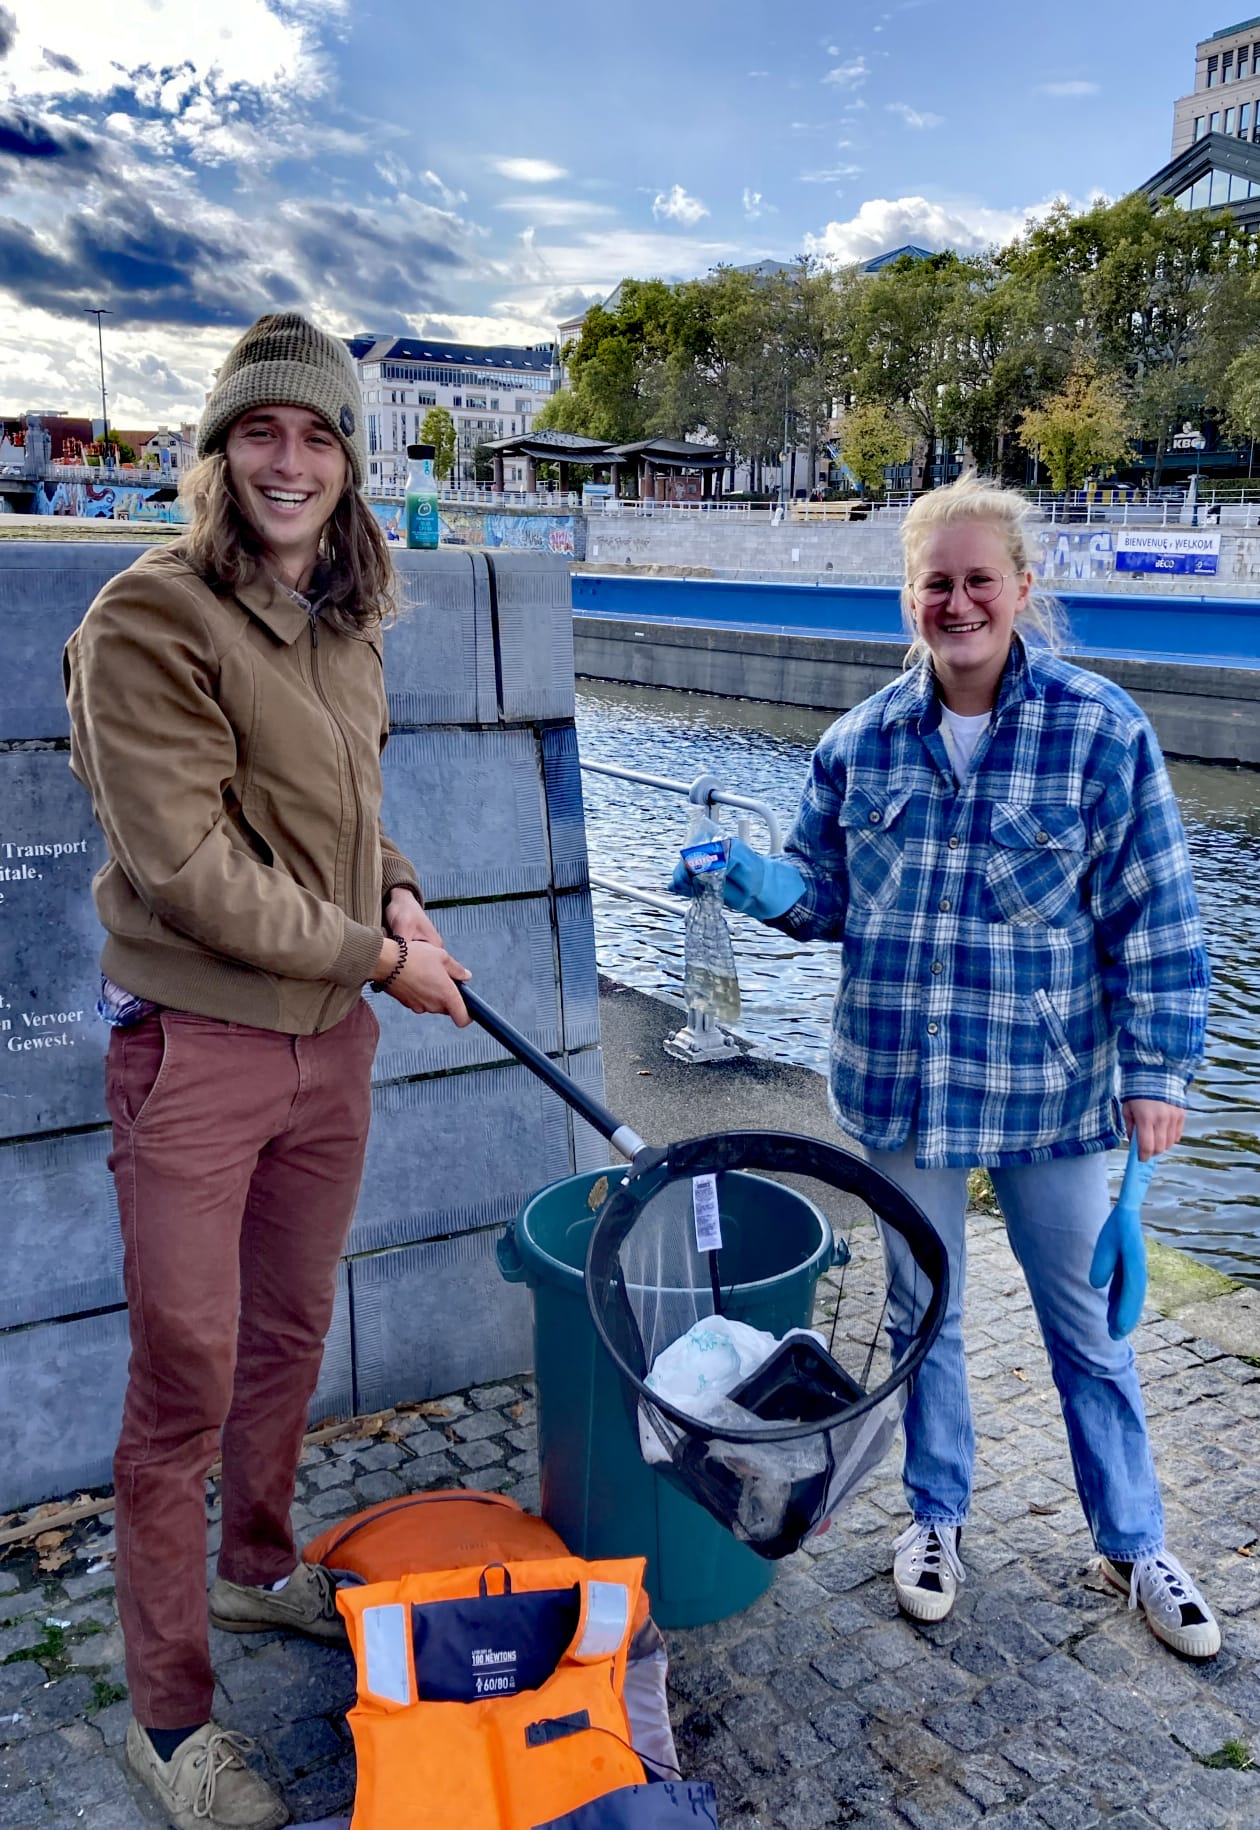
{"x": 496, "y": 1762}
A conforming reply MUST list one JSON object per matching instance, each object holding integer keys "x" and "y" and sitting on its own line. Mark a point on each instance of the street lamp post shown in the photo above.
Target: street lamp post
{"x": 98, "y": 312}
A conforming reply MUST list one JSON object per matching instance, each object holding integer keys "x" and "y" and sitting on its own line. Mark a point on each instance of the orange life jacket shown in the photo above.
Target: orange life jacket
{"x": 491, "y": 1699}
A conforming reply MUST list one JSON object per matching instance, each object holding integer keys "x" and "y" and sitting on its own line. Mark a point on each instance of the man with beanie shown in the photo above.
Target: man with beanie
{"x": 227, "y": 712}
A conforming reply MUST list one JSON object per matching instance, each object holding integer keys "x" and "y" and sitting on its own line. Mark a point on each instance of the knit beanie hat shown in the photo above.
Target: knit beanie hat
{"x": 284, "y": 361}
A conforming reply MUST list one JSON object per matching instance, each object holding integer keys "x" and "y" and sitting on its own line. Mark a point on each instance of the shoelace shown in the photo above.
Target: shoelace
{"x": 1162, "y": 1571}
{"x": 328, "y": 1594}
{"x": 934, "y": 1550}
{"x": 223, "y": 1750}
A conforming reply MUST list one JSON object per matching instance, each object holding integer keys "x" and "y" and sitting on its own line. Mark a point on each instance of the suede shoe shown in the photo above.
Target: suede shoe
{"x": 306, "y": 1604}
{"x": 205, "y": 1785}
{"x": 1175, "y": 1611}
{"x": 926, "y": 1569}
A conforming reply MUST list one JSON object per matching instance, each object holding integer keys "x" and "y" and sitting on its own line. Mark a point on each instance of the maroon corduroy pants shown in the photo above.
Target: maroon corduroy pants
{"x": 237, "y": 1156}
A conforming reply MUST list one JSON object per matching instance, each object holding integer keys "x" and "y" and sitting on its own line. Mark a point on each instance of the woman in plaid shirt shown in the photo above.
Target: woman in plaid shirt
{"x": 994, "y": 843}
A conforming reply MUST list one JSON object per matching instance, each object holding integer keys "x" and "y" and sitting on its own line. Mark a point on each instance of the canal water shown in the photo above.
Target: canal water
{"x": 1205, "y": 1199}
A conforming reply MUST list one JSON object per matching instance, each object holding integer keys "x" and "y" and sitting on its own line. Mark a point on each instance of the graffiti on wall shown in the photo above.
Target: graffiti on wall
{"x": 1069, "y": 554}
{"x": 106, "y": 502}
{"x": 472, "y": 527}
{"x": 1072, "y": 554}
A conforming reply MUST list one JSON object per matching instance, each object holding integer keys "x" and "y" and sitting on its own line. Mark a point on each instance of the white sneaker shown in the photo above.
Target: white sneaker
{"x": 926, "y": 1569}
{"x": 1175, "y": 1610}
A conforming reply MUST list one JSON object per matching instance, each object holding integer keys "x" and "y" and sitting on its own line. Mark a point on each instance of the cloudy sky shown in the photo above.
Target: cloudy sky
{"x": 482, "y": 172}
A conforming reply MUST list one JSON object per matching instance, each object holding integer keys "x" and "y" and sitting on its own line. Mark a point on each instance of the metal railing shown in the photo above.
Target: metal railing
{"x": 702, "y": 1039}
{"x": 647, "y": 507}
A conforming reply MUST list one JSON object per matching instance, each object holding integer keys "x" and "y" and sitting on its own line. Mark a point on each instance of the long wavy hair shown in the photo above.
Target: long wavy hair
{"x": 974, "y": 498}
{"x": 357, "y": 577}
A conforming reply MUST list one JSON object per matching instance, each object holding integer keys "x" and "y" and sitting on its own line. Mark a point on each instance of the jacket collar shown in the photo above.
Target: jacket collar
{"x": 274, "y": 607}
{"x": 914, "y": 700}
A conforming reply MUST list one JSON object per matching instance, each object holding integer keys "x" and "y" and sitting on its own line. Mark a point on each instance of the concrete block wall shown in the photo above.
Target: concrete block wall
{"x": 1076, "y": 557}
{"x": 482, "y": 789}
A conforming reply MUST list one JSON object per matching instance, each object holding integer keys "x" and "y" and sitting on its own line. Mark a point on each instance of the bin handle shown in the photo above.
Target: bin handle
{"x": 508, "y": 1253}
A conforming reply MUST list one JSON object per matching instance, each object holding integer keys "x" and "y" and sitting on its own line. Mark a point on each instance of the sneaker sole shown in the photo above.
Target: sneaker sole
{"x": 924, "y": 1604}
{"x": 1192, "y": 1642}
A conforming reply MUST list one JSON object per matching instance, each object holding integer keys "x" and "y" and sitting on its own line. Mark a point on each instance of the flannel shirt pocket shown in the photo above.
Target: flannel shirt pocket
{"x": 874, "y": 847}
{"x": 1037, "y": 861}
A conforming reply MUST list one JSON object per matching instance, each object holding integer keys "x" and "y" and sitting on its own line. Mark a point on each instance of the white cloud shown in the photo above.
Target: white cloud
{"x": 848, "y": 76}
{"x": 883, "y": 223}
{"x": 450, "y": 198}
{"x": 555, "y": 211}
{"x": 755, "y": 205}
{"x": 912, "y": 117}
{"x": 759, "y": 73}
{"x": 677, "y": 206}
{"x": 528, "y": 171}
{"x": 1067, "y": 89}
{"x": 94, "y": 48}
{"x": 832, "y": 174}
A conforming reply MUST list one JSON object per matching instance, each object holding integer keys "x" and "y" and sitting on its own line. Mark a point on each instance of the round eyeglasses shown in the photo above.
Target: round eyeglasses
{"x": 932, "y": 589}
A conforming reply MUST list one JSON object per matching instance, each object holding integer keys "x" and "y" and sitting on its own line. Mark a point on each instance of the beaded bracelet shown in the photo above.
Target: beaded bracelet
{"x": 384, "y": 984}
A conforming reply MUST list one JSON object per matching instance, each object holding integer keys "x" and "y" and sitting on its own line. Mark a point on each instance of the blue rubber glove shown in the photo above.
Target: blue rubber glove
{"x": 1120, "y": 1255}
{"x": 753, "y": 885}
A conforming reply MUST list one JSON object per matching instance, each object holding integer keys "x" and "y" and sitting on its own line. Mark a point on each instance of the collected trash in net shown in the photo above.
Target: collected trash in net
{"x": 778, "y": 1452}
{"x": 773, "y": 1454}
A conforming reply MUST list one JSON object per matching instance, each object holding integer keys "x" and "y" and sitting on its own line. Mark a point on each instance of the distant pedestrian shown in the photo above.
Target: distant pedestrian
{"x": 993, "y": 841}
{"x": 228, "y": 713}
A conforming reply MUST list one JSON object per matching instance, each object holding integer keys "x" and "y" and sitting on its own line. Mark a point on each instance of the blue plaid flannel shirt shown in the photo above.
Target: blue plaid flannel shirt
{"x": 1020, "y": 952}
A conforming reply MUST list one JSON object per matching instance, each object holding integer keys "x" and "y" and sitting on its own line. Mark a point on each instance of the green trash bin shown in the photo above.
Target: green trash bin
{"x": 597, "y": 1492}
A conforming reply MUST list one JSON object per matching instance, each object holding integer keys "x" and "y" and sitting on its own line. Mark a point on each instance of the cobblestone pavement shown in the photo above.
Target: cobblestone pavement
{"x": 1042, "y": 1702}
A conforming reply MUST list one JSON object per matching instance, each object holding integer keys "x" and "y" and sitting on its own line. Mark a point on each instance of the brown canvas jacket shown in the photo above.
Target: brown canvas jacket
{"x": 232, "y": 751}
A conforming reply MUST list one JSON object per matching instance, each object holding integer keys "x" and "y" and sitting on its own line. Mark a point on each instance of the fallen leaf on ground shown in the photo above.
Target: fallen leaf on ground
{"x": 1245, "y": 1550}
{"x": 1041, "y": 1511}
{"x": 1017, "y": 1372}
{"x": 51, "y": 1556}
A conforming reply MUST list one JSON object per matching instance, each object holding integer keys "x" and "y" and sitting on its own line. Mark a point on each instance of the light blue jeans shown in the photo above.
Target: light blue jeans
{"x": 1054, "y": 1213}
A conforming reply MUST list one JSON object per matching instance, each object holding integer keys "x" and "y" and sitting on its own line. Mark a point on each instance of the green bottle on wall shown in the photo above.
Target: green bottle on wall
{"x": 423, "y": 525}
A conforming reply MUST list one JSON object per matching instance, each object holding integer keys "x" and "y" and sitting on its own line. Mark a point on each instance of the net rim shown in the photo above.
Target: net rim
{"x": 792, "y": 1153}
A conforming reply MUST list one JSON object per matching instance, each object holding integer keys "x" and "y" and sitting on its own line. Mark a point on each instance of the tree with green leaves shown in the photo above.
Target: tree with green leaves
{"x": 438, "y": 429}
{"x": 909, "y": 341}
{"x": 871, "y": 440}
{"x": 1081, "y": 430}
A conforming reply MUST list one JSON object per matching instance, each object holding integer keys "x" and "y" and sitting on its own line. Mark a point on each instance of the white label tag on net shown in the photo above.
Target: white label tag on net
{"x": 704, "y": 1202}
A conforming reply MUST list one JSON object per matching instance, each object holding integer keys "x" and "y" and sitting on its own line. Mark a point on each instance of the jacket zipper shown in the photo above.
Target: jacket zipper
{"x": 357, "y": 849}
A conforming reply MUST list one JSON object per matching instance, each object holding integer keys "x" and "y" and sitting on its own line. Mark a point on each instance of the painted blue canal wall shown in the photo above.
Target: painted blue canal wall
{"x": 1192, "y": 664}
{"x": 1191, "y": 631}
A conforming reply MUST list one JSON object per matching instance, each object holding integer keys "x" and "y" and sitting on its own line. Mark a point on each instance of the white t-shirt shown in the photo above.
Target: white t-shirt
{"x": 960, "y": 736}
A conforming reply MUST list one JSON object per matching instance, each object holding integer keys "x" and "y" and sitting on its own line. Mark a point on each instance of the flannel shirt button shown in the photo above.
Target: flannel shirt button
{"x": 944, "y": 905}
{"x": 873, "y": 817}
{"x": 937, "y": 966}
{"x": 953, "y": 845}
{"x": 1043, "y": 838}
{"x": 933, "y": 1028}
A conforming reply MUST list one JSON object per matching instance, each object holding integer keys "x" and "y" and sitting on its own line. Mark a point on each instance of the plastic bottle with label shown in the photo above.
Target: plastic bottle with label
{"x": 710, "y": 980}
{"x": 423, "y": 524}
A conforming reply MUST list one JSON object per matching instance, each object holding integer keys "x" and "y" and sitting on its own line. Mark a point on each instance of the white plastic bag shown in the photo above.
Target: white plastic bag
{"x": 700, "y": 1367}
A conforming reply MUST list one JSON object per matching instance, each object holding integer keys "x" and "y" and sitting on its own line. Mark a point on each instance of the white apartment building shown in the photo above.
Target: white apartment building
{"x": 489, "y": 393}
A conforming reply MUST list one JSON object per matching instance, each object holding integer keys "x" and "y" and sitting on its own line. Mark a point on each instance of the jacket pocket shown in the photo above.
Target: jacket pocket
{"x": 1036, "y": 863}
{"x": 1052, "y": 1023}
{"x": 874, "y": 847}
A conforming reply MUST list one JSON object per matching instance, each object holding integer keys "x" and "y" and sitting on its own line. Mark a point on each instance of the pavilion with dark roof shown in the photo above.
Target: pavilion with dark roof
{"x": 655, "y": 462}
